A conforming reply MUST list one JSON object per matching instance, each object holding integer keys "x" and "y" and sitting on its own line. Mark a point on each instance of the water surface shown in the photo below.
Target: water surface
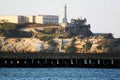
{"x": 59, "y": 74}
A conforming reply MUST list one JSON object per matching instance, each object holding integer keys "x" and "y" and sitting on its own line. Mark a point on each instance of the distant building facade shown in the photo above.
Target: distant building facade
{"x": 47, "y": 19}
{"x": 79, "y": 21}
{"x": 13, "y": 19}
{"x": 42, "y": 19}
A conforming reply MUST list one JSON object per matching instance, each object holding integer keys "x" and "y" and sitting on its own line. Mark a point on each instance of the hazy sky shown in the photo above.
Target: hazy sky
{"x": 103, "y": 15}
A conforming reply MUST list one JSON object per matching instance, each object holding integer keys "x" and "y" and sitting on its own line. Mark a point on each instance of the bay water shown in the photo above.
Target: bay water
{"x": 59, "y": 74}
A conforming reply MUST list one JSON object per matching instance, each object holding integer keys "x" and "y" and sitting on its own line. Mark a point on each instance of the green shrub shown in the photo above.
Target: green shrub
{"x": 8, "y": 26}
{"x": 71, "y": 49}
{"x": 46, "y": 37}
{"x": 87, "y": 46}
{"x": 99, "y": 47}
{"x": 51, "y": 42}
{"x": 49, "y": 31}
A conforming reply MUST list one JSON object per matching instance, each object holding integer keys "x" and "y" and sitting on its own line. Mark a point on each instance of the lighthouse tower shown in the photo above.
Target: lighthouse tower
{"x": 65, "y": 15}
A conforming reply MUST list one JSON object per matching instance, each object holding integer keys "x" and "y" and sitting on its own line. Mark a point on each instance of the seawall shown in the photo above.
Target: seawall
{"x": 92, "y": 60}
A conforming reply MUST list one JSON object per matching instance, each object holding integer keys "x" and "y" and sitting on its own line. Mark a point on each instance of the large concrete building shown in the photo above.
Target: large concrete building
{"x": 42, "y": 19}
{"x": 13, "y": 19}
{"x": 47, "y": 19}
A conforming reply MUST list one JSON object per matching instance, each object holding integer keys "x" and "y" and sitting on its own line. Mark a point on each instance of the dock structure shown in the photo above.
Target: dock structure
{"x": 89, "y": 60}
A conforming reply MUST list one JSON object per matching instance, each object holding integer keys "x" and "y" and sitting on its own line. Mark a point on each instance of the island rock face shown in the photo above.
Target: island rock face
{"x": 100, "y": 44}
{"x": 21, "y": 45}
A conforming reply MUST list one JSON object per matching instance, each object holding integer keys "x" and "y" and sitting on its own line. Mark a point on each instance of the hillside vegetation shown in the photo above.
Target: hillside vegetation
{"x": 43, "y": 38}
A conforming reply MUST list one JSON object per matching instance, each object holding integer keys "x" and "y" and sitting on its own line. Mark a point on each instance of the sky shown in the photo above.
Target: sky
{"x": 103, "y": 15}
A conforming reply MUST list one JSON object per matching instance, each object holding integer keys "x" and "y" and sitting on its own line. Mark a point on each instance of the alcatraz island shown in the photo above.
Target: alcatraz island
{"x": 41, "y": 41}
{"x": 44, "y": 33}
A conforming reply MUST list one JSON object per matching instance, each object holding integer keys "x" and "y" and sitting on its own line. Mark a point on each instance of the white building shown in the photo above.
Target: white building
{"x": 50, "y": 19}
{"x": 42, "y": 19}
{"x": 13, "y": 19}
{"x": 31, "y": 19}
{"x": 47, "y": 19}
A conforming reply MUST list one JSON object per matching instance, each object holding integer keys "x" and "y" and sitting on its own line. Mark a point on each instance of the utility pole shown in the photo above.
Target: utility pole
{"x": 86, "y": 46}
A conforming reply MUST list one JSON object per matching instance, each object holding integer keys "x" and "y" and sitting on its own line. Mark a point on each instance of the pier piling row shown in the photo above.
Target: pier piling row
{"x": 60, "y": 60}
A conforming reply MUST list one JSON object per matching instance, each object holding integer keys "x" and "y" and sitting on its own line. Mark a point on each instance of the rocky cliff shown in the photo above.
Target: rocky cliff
{"x": 100, "y": 44}
{"x": 21, "y": 45}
